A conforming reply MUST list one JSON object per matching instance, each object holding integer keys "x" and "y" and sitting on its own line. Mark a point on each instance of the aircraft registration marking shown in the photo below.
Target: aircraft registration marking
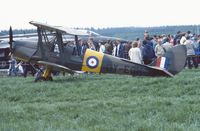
{"x": 92, "y": 61}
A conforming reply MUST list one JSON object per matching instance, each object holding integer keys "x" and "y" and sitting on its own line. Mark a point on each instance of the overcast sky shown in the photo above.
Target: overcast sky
{"x": 99, "y": 13}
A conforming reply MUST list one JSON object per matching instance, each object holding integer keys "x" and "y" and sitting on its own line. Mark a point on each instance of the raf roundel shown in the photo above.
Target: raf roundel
{"x": 92, "y": 62}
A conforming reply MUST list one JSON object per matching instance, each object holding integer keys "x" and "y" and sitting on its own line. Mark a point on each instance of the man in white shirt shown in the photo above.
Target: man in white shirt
{"x": 102, "y": 48}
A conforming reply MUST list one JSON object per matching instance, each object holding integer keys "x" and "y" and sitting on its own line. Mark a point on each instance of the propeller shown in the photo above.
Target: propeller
{"x": 10, "y": 39}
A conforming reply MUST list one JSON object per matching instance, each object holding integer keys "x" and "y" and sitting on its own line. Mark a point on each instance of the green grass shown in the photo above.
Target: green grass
{"x": 101, "y": 103}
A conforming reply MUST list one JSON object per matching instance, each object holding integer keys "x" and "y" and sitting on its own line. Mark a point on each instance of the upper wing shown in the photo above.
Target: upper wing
{"x": 57, "y": 67}
{"x": 28, "y": 35}
{"x": 68, "y": 31}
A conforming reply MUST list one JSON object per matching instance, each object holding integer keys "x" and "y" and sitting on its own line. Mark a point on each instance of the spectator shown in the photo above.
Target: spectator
{"x": 102, "y": 47}
{"x": 196, "y": 46}
{"x": 19, "y": 68}
{"x": 159, "y": 50}
{"x": 120, "y": 49}
{"x": 135, "y": 53}
{"x": 183, "y": 39}
{"x": 84, "y": 48}
{"x": 167, "y": 45}
{"x": 148, "y": 53}
{"x": 177, "y": 38}
{"x": 190, "y": 53}
{"x": 115, "y": 44}
{"x": 91, "y": 45}
{"x": 139, "y": 42}
{"x": 127, "y": 47}
{"x": 12, "y": 66}
{"x": 146, "y": 34}
{"x": 109, "y": 47}
{"x": 154, "y": 41}
{"x": 189, "y": 34}
{"x": 148, "y": 40}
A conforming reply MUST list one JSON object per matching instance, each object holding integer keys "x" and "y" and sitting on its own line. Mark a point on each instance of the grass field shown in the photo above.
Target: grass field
{"x": 101, "y": 103}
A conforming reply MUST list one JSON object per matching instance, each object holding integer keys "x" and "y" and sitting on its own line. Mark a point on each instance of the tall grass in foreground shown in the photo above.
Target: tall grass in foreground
{"x": 101, "y": 103}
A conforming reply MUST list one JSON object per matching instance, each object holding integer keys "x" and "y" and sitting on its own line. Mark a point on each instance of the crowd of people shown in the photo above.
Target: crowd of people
{"x": 151, "y": 47}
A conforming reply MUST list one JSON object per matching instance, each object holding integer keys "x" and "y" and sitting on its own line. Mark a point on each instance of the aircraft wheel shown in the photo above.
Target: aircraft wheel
{"x": 49, "y": 78}
{"x": 41, "y": 78}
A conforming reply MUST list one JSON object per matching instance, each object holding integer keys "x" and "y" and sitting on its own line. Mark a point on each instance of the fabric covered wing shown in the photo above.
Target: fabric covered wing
{"x": 69, "y": 31}
{"x": 57, "y": 67}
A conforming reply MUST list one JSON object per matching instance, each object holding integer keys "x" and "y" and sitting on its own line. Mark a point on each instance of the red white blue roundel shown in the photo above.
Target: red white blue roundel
{"x": 92, "y": 62}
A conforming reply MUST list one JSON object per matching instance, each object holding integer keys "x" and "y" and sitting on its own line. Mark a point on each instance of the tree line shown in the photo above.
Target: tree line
{"x": 129, "y": 33}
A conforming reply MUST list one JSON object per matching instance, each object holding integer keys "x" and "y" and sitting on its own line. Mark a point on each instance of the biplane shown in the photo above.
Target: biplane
{"x": 50, "y": 49}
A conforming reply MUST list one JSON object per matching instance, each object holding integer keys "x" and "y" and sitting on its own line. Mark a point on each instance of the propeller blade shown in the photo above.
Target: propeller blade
{"x": 10, "y": 38}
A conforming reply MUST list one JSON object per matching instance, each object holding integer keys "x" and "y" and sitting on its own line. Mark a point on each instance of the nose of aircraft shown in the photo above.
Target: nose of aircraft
{"x": 23, "y": 50}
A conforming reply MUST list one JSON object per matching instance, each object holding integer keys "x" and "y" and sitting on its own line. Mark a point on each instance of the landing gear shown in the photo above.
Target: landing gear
{"x": 49, "y": 78}
{"x": 41, "y": 78}
{"x": 44, "y": 76}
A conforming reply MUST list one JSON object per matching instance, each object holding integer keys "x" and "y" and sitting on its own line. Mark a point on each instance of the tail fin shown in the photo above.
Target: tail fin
{"x": 173, "y": 60}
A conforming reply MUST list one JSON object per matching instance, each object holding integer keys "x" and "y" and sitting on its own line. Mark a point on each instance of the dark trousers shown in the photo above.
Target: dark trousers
{"x": 191, "y": 61}
{"x": 147, "y": 62}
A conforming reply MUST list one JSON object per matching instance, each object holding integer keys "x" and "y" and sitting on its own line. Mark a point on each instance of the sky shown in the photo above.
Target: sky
{"x": 98, "y": 13}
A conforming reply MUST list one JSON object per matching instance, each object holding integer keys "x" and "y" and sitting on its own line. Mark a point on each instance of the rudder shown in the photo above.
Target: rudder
{"x": 173, "y": 60}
